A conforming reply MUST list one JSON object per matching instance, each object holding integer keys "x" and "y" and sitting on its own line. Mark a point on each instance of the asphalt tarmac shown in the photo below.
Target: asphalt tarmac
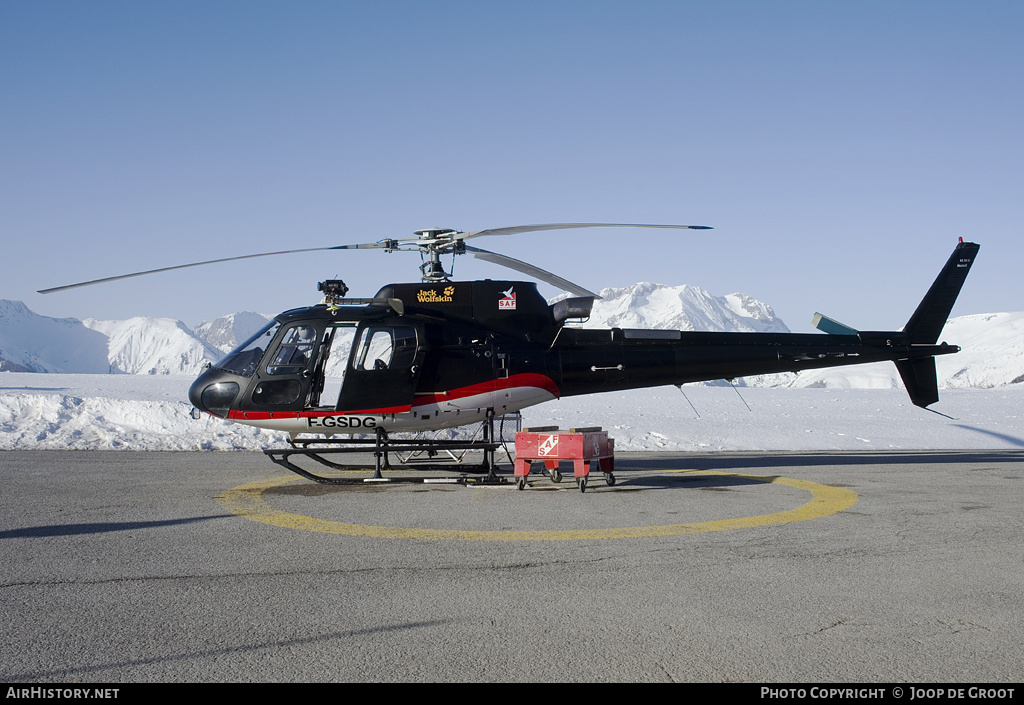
{"x": 811, "y": 567}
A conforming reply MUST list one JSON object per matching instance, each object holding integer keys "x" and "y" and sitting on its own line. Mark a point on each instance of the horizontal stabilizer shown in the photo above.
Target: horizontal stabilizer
{"x": 831, "y": 326}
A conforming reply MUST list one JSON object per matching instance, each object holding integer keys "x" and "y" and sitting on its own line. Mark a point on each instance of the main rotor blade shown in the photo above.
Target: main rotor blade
{"x": 526, "y": 268}
{"x": 212, "y": 261}
{"x": 410, "y": 243}
{"x": 515, "y": 230}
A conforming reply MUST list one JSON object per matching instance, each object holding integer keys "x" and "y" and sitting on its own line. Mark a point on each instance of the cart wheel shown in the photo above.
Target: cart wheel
{"x": 521, "y": 483}
{"x": 582, "y": 482}
{"x": 555, "y": 475}
{"x": 609, "y": 479}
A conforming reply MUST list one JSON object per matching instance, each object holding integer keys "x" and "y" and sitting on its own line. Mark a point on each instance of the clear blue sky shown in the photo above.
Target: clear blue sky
{"x": 839, "y": 149}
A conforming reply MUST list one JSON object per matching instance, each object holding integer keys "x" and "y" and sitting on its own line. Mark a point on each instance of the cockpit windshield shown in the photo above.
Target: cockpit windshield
{"x": 244, "y": 359}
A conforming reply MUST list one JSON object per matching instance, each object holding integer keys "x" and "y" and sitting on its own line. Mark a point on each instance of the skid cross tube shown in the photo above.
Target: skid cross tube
{"x": 381, "y": 446}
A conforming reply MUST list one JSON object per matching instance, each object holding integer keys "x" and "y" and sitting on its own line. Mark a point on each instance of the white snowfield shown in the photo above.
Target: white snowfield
{"x": 860, "y": 407}
{"x": 144, "y": 412}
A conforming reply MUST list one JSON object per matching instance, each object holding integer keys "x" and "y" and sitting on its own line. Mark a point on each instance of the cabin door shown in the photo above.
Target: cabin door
{"x": 285, "y": 379}
{"x": 383, "y": 369}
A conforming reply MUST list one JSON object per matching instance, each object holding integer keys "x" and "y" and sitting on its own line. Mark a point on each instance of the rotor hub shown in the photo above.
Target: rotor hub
{"x": 434, "y": 233}
{"x": 432, "y": 243}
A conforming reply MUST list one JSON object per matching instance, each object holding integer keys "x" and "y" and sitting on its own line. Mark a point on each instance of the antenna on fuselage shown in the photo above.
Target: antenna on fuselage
{"x": 688, "y": 400}
{"x": 729, "y": 380}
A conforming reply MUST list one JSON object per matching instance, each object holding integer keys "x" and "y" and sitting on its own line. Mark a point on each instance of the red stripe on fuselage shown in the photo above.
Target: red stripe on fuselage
{"x": 526, "y": 379}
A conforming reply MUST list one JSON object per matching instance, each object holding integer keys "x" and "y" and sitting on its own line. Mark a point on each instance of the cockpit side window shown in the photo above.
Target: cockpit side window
{"x": 381, "y": 348}
{"x": 297, "y": 348}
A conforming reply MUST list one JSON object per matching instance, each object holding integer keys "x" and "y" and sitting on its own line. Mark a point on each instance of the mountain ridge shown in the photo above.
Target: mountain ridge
{"x": 992, "y": 344}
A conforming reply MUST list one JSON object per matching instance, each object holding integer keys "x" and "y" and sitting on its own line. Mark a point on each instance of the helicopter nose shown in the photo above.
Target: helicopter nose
{"x": 212, "y": 395}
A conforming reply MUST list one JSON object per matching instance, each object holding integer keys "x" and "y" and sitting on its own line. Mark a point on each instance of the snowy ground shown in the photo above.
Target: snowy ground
{"x": 142, "y": 412}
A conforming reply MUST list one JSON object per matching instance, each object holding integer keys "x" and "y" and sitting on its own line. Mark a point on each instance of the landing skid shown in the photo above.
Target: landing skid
{"x": 383, "y": 447}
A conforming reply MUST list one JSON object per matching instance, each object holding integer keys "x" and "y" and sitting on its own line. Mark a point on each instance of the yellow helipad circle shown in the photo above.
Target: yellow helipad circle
{"x": 247, "y": 501}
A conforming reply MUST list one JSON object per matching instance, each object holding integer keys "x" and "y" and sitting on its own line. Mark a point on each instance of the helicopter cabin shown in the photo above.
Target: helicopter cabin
{"x": 408, "y": 349}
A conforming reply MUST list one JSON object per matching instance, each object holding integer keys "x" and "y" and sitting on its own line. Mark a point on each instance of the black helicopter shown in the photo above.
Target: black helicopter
{"x": 442, "y": 353}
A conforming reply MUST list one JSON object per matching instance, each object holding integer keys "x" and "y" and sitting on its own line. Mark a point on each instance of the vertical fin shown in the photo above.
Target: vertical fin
{"x": 920, "y": 380}
{"x": 926, "y": 324}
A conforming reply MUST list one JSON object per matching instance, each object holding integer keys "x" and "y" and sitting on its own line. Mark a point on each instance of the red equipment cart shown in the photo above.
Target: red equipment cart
{"x": 586, "y": 447}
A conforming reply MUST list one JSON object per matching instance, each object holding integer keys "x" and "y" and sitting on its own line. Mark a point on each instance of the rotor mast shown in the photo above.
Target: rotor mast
{"x": 432, "y": 242}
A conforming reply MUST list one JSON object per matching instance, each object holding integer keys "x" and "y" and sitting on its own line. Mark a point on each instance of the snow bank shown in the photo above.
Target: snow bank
{"x": 104, "y": 412}
{"x": 133, "y": 412}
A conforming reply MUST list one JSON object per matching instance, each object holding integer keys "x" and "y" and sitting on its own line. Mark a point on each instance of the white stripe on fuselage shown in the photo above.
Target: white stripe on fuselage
{"x": 445, "y": 413}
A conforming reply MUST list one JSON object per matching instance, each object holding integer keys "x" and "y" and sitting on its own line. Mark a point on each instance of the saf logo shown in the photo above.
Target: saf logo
{"x": 507, "y": 302}
{"x": 549, "y": 446}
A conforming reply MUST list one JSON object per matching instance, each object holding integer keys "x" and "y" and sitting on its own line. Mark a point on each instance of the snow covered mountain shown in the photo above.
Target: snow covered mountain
{"x": 153, "y": 346}
{"x": 34, "y": 343}
{"x": 157, "y": 346}
{"x": 226, "y": 332}
{"x": 992, "y": 355}
{"x": 689, "y": 308}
